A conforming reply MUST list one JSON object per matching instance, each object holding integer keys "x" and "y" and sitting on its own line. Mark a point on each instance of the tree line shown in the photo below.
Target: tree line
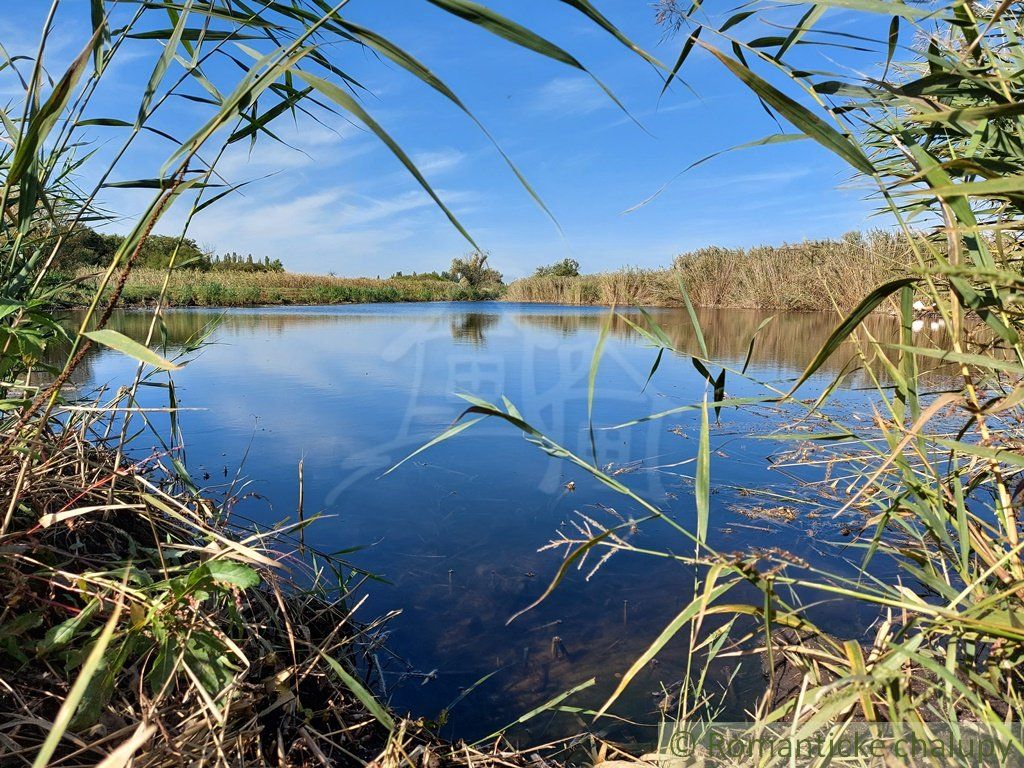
{"x": 85, "y": 247}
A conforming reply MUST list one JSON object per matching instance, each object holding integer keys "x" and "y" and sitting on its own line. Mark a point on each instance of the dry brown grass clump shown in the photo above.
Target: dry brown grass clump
{"x": 139, "y": 621}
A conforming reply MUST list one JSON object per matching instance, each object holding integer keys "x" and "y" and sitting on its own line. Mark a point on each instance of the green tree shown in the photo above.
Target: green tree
{"x": 563, "y": 268}
{"x": 472, "y": 271}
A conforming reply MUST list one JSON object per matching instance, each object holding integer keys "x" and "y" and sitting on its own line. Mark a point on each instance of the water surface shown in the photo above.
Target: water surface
{"x": 455, "y": 532}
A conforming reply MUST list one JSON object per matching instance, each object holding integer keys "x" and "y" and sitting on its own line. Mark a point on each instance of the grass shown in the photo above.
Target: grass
{"x": 219, "y": 634}
{"x": 188, "y": 288}
{"x": 141, "y": 617}
{"x": 813, "y": 275}
{"x": 142, "y": 623}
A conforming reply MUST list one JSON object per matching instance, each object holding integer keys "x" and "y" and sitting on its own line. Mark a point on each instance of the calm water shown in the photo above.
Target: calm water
{"x": 456, "y": 532}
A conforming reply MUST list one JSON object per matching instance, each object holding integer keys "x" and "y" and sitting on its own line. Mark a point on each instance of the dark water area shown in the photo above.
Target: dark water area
{"x": 455, "y": 532}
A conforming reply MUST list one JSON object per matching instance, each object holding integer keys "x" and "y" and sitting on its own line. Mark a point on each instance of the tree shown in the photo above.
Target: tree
{"x": 472, "y": 271}
{"x": 563, "y": 268}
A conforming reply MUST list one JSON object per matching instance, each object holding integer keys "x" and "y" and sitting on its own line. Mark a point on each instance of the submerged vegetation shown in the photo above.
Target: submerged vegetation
{"x": 813, "y": 275}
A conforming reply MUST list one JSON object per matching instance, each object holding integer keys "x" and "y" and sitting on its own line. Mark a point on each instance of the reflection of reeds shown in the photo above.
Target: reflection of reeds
{"x": 805, "y": 276}
{"x": 785, "y": 344}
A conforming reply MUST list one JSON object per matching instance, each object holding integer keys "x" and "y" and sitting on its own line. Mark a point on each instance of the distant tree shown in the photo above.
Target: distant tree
{"x": 472, "y": 271}
{"x": 158, "y": 250}
{"x": 563, "y": 268}
{"x": 85, "y": 247}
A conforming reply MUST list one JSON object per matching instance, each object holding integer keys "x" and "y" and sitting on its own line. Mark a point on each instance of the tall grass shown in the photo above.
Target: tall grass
{"x": 188, "y": 288}
{"x": 813, "y": 275}
{"x": 935, "y": 480}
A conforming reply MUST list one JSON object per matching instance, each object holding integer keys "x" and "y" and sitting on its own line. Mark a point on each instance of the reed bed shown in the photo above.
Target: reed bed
{"x": 812, "y": 275}
{"x": 192, "y": 288}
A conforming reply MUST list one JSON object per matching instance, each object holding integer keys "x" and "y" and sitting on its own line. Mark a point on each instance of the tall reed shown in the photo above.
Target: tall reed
{"x": 813, "y": 275}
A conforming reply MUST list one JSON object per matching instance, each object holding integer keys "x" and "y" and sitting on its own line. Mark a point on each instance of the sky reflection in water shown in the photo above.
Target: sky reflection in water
{"x": 455, "y": 531}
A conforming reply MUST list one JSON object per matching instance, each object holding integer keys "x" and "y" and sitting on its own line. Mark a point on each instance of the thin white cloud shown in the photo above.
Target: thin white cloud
{"x": 436, "y": 163}
{"x": 329, "y": 229}
{"x": 570, "y": 96}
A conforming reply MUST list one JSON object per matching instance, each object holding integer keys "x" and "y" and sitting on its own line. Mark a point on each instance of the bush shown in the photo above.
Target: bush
{"x": 563, "y": 268}
{"x": 473, "y": 272}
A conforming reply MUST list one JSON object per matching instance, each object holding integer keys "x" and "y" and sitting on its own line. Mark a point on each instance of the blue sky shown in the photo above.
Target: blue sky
{"x": 340, "y": 202}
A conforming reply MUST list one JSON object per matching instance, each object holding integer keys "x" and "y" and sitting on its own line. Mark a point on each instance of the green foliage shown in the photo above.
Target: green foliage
{"x": 227, "y": 670}
{"x": 471, "y": 271}
{"x": 563, "y": 268}
{"x": 234, "y": 262}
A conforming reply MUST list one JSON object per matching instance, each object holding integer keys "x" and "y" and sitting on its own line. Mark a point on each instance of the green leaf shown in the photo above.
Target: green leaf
{"x": 516, "y": 33}
{"x": 845, "y": 328}
{"x": 344, "y": 100}
{"x": 687, "y": 47}
{"x": 809, "y": 20}
{"x": 595, "y": 362}
{"x": 162, "y": 63}
{"x": 120, "y": 342}
{"x": 230, "y": 572}
{"x": 693, "y": 320}
{"x": 42, "y": 122}
{"x": 450, "y": 432}
{"x": 74, "y": 696}
{"x": 894, "y": 36}
{"x": 562, "y": 570}
{"x": 753, "y": 338}
{"x": 587, "y": 9}
{"x": 698, "y": 604}
{"x": 702, "y": 479}
{"x": 367, "y": 699}
{"x": 812, "y": 125}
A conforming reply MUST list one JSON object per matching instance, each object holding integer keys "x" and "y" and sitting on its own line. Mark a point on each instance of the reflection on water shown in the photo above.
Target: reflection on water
{"x": 455, "y": 532}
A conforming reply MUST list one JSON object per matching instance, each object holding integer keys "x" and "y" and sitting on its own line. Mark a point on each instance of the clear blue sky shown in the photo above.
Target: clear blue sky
{"x": 340, "y": 202}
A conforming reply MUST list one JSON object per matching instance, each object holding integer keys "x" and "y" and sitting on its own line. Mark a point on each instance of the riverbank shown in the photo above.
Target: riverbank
{"x": 194, "y": 288}
{"x": 142, "y": 618}
{"x": 807, "y": 276}
{"x": 814, "y": 275}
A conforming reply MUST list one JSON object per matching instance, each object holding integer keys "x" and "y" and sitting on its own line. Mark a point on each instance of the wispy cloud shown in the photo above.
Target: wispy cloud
{"x": 324, "y": 230}
{"x": 570, "y": 96}
{"x": 436, "y": 163}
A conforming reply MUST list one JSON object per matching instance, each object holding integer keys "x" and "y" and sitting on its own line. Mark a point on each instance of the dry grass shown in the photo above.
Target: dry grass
{"x": 813, "y": 275}
{"x": 210, "y": 651}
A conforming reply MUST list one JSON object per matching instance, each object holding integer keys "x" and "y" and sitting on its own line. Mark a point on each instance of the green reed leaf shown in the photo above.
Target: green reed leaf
{"x": 867, "y": 305}
{"x": 118, "y": 341}
{"x": 812, "y": 125}
{"x": 366, "y": 698}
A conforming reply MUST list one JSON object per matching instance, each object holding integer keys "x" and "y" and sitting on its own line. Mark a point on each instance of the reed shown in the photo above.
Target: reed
{"x": 142, "y": 623}
{"x": 813, "y": 275}
{"x": 188, "y": 288}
